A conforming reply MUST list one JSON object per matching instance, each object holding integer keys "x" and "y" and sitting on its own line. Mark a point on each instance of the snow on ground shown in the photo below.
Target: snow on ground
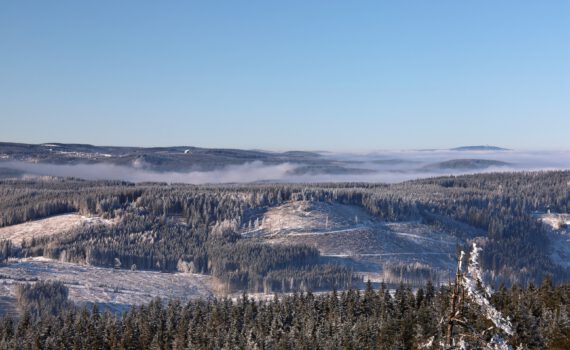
{"x": 47, "y": 227}
{"x": 312, "y": 217}
{"x": 349, "y": 235}
{"x": 555, "y": 221}
{"x": 384, "y": 254}
{"x": 113, "y": 288}
{"x": 340, "y": 230}
{"x": 326, "y": 232}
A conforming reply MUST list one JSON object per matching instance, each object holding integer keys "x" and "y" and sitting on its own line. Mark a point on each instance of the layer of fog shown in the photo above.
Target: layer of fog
{"x": 247, "y": 172}
{"x": 387, "y": 167}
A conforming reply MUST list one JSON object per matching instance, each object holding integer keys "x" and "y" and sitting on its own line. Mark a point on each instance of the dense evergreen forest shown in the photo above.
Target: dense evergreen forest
{"x": 170, "y": 227}
{"x": 368, "y": 319}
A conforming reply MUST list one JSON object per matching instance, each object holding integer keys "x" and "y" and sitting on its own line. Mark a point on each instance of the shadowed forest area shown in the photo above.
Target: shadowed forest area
{"x": 368, "y": 319}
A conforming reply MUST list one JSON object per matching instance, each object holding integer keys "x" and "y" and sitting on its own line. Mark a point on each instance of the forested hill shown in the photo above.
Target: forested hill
{"x": 178, "y": 158}
{"x": 162, "y": 226}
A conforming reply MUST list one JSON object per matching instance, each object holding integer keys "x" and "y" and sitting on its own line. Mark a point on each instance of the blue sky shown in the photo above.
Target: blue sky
{"x": 318, "y": 75}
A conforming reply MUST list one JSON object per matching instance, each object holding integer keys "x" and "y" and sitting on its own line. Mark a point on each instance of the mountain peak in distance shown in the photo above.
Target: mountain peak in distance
{"x": 479, "y": 148}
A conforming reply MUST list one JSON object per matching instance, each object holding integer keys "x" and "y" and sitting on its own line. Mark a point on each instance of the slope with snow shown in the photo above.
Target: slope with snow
{"x": 54, "y": 225}
{"x": 115, "y": 289}
{"x": 349, "y": 235}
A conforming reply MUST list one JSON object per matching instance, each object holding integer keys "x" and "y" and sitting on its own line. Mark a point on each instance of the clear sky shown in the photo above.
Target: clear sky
{"x": 319, "y": 75}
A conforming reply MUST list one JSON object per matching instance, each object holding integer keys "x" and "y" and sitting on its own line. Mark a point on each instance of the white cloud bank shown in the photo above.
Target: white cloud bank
{"x": 407, "y": 167}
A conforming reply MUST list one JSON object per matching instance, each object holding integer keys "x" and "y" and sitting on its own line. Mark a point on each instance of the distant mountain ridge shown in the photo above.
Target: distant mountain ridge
{"x": 203, "y": 165}
{"x": 177, "y": 158}
{"x": 479, "y": 148}
{"x": 465, "y": 164}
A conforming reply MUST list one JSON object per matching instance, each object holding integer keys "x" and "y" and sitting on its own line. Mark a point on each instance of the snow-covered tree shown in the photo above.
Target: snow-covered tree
{"x": 473, "y": 322}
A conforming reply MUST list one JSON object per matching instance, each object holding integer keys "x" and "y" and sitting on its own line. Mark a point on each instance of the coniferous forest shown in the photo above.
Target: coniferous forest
{"x": 352, "y": 319}
{"x": 198, "y": 229}
{"x": 161, "y": 225}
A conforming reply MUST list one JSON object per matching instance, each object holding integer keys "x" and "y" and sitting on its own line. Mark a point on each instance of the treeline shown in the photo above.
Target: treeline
{"x": 371, "y": 319}
{"x": 412, "y": 274}
{"x": 6, "y": 250}
{"x": 25, "y": 200}
{"x": 42, "y": 299}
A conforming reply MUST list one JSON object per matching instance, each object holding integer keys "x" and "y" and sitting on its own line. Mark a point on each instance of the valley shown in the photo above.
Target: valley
{"x": 116, "y": 243}
{"x": 196, "y": 165}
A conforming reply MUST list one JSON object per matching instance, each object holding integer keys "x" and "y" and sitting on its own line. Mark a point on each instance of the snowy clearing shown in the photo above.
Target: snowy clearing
{"x": 351, "y": 236}
{"x": 418, "y": 237}
{"x": 306, "y": 217}
{"x": 48, "y": 227}
{"x": 384, "y": 254}
{"x": 326, "y": 232}
{"x": 112, "y": 288}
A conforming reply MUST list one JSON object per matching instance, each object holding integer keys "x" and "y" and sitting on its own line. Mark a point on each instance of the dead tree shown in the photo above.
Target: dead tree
{"x": 470, "y": 285}
{"x": 457, "y": 302}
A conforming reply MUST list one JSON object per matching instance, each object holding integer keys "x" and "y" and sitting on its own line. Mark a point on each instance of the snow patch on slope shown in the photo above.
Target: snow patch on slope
{"x": 88, "y": 284}
{"x": 50, "y": 226}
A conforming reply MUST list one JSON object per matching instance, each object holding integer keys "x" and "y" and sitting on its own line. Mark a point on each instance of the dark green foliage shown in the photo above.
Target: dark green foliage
{"x": 369, "y": 319}
{"x": 6, "y": 250}
{"x": 25, "y": 200}
{"x": 42, "y": 298}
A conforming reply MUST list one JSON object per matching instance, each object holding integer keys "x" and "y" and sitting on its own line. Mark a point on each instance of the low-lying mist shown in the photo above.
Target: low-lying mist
{"x": 386, "y": 167}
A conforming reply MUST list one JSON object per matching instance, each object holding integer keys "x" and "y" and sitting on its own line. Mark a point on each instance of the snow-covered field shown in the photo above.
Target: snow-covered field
{"x": 303, "y": 217}
{"x": 115, "y": 289}
{"x": 47, "y": 227}
{"x": 350, "y": 235}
